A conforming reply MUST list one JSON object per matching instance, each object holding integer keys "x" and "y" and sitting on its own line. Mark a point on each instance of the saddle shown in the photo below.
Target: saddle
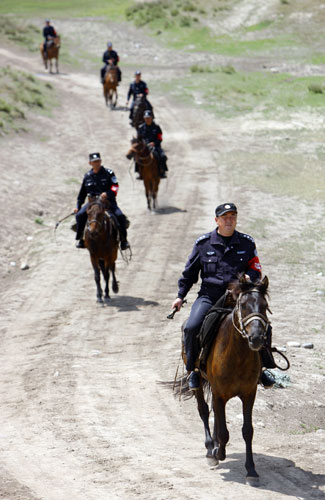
{"x": 211, "y": 324}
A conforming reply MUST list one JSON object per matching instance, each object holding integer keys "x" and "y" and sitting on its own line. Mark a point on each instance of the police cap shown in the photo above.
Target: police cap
{"x": 224, "y": 208}
{"x": 109, "y": 44}
{"x": 138, "y": 72}
{"x": 94, "y": 156}
{"x": 147, "y": 114}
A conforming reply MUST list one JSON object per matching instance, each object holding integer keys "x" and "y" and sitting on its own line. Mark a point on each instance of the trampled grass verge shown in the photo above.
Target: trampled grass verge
{"x": 22, "y": 93}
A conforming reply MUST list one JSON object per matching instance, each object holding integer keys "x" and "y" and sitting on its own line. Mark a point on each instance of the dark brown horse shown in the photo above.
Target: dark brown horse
{"x": 52, "y": 52}
{"x": 110, "y": 86}
{"x": 101, "y": 239}
{"x": 148, "y": 169}
{"x": 233, "y": 369}
{"x": 140, "y": 105}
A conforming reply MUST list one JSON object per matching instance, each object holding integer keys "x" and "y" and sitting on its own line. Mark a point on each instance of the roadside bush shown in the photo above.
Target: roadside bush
{"x": 185, "y": 21}
{"x": 316, "y": 88}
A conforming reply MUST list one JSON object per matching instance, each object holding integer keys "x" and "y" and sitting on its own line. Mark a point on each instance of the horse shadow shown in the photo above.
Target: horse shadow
{"x": 169, "y": 210}
{"x": 120, "y": 108}
{"x": 126, "y": 303}
{"x": 277, "y": 474}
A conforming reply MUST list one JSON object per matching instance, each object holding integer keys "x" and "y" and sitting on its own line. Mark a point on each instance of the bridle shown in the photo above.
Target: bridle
{"x": 243, "y": 322}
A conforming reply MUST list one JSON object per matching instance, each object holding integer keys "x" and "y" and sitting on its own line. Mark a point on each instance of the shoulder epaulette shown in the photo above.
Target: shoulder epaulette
{"x": 203, "y": 237}
{"x": 243, "y": 235}
{"x": 109, "y": 170}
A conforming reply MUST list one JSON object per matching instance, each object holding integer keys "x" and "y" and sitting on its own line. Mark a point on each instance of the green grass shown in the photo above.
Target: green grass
{"x": 20, "y": 32}
{"x": 229, "y": 93}
{"x": 22, "y": 94}
{"x": 112, "y": 9}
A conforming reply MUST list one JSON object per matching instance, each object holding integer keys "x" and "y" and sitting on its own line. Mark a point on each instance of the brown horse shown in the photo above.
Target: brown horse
{"x": 52, "y": 52}
{"x": 101, "y": 239}
{"x": 148, "y": 169}
{"x": 233, "y": 369}
{"x": 110, "y": 86}
{"x": 140, "y": 105}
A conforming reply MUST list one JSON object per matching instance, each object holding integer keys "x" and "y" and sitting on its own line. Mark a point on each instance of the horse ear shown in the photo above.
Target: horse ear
{"x": 242, "y": 278}
{"x": 265, "y": 281}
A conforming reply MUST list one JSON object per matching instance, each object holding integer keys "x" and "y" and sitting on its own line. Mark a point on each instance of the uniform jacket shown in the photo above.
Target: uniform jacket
{"x": 92, "y": 184}
{"x": 48, "y": 31}
{"x": 137, "y": 88}
{"x": 110, "y": 54}
{"x": 150, "y": 133}
{"x": 219, "y": 264}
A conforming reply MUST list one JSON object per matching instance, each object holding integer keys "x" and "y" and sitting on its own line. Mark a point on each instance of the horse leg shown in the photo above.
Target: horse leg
{"x": 57, "y": 65}
{"x": 252, "y": 477}
{"x": 203, "y": 410}
{"x": 220, "y": 434}
{"x": 115, "y": 283}
{"x": 97, "y": 280}
{"x": 105, "y": 271}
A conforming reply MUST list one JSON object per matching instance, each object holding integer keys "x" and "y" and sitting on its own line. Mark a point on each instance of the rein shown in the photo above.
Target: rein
{"x": 243, "y": 322}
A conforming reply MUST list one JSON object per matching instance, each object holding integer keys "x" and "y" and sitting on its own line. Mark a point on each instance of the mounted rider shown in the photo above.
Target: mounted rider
{"x": 110, "y": 58}
{"x": 102, "y": 182}
{"x": 219, "y": 257}
{"x": 48, "y": 33}
{"x": 137, "y": 87}
{"x": 151, "y": 133}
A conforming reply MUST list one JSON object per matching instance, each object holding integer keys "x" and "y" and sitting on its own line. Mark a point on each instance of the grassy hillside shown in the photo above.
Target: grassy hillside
{"x": 22, "y": 94}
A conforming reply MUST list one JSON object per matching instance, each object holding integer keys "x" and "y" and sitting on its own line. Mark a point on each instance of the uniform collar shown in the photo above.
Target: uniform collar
{"x": 217, "y": 240}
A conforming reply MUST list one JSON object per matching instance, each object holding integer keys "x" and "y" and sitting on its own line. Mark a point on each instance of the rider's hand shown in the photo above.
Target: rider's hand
{"x": 75, "y": 210}
{"x": 152, "y": 144}
{"x": 177, "y": 303}
{"x": 103, "y": 196}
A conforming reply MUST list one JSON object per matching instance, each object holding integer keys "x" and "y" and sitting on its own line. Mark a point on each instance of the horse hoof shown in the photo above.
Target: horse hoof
{"x": 253, "y": 481}
{"x": 212, "y": 461}
{"x": 100, "y": 301}
{"x": 115, "y": 289}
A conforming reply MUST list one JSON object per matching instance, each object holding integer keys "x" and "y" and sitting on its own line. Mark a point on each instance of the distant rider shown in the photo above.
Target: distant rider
{"x": 151, "y": 133}
{"x": 110, "y": 57}
{"x": 48, "y": 33}
{"x": 137, "y": 87}
{"x": 99, "y": 181}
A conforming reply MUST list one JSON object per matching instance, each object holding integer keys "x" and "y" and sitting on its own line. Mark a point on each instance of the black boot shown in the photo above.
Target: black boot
{"x": 80, "y": 244}
{"x": 267, "y": 379}
{"x": 194, "y": 380}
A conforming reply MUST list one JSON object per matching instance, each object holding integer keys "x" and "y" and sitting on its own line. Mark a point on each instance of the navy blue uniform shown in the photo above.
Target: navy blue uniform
{"x": 136, "y": 89}
{"x": 107, "y": 56}
{"x": 218, "y": 263}
{"x": 48, "y": 32}
{"x": 153, "y": 133}
{"x": 93, "y": 184}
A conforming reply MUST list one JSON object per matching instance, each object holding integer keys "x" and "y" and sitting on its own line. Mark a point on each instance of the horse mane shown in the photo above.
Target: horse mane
{"x": 242, "y": 285}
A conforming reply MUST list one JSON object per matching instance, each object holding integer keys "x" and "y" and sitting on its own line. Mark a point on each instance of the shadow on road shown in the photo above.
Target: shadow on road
{"x": 127, "y": 303}
{"x": 168, "y": 210}
{"x": 290, "y": 477}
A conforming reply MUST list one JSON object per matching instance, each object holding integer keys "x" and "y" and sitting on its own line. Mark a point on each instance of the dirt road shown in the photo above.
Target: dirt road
{"x": 82, "y": 414}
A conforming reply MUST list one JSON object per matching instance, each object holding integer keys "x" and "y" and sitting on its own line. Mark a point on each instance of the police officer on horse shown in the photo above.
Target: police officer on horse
{"x": 110, "y": 57}
{"x": 102, "y": 182}
{"x": 219, "y": 256}
{"x": 151, "y": 133}
{"x": 137, "y": 87}
{"x": 48, "y": 33}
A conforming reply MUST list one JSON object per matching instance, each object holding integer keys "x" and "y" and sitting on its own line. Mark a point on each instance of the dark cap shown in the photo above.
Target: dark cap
{"x": 147, "y": 114}
{"x": 94, "y": 156}
{"x": 109, "y": 44}
{"x": 138, "y": 72}
{"x": 224, "y": 208}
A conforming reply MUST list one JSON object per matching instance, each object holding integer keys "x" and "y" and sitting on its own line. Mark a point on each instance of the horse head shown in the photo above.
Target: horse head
{"x": 249, "y": 315}
{"x": 96, "y": 215}
{"x": 138, "y": 146}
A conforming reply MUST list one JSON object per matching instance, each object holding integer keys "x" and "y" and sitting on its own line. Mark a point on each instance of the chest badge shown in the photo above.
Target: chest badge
{"x": 211, "y": 253}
